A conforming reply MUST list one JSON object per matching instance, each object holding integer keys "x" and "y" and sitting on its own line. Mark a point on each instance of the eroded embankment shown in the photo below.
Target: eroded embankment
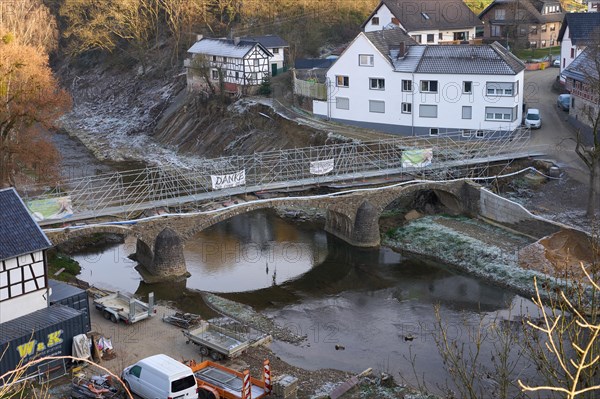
{"x": 488, "y": 252}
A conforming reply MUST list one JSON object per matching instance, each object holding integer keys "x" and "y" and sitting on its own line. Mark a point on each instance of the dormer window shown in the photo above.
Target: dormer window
{"x": 425, "y": 16}
{"x": 375, "y": 21}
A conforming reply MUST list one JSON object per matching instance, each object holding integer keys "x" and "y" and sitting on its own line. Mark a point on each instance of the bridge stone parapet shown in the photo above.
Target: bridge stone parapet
{"x": 352, "y": 216}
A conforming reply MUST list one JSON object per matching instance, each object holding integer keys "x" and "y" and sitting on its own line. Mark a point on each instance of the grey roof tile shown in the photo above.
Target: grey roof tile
{"x": 224, "y": 47}
{"x": 581, "y": 26}
{"x": 19, "y": 233}
{"x": 583, "y": 67}
{"x": 268, "y": 41}
{"x": 469, "y": 59}
{"x": 432, "y": 14}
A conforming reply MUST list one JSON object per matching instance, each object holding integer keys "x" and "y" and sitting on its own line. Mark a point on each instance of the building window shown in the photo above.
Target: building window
{"x": 406, "y": 108}
{"x": 480, "y": 134}
{"x": 496, "y": 30}
{"x": 533, "y": 30}
{"x": 467, "y": 87}
{"x": 440, "y": 36}
{"x": 552, "y": 27}
{"x": 429, "y": 86}
{"x": 572, "y": 53}
{"x": 428, "y": 111}
{"x": 224, "y": 60}
{"x": 275, "y": 50}
{"x": 499, "y": 114}
{"x": 467, "y": 112}
{"x": 376, "y": 84}
{"x": 377, "y": 106}
{"x": 256, "y": 62}
{"x": 214, "y": 58}
{"x": 465, "y": 133}
{"x": 500, "y": 14}
{"x": 342, "y": 103}
{"x": 417, "y": 38}
{"x": 544, "y": 28}
{"x": 430, "y": 38}
{"x": 533, "y": 44}
{"x": 365, "y": 60}
{"x": 434, "y": 131}
{"x": 342, "y": 81}
{"x": 543, "y": 43}
{"x": 500, "y": 89}
{"x": 375, "y": 21}
{"x": 215, "y": 74}
{"x": 237, "y": 75}
{"x": 407, "y": 85}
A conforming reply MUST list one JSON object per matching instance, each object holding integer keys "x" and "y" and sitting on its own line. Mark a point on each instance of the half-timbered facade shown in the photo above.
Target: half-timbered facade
{"x": 277, "y": 46}
{"x": 231, "y": 65}
{"x": 23, "y": 245}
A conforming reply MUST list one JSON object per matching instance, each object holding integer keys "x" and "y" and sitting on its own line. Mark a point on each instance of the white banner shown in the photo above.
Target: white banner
{"x": 321, "y": 167}
{"x": 227, "y": 181}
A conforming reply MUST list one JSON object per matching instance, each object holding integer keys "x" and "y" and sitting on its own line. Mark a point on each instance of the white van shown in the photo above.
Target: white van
{"x": 160, "y": 377}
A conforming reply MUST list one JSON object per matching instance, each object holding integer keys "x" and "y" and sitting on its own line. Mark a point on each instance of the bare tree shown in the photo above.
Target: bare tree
{"x": 31, "y": 23}
{"x": 566, "y": 344}
{"x": 128, "y": 25}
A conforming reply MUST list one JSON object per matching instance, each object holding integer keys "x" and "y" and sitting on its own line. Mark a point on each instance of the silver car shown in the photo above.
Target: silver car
{"x": 533, "y": 120}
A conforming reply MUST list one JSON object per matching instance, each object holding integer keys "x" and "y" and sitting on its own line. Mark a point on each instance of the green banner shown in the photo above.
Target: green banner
{"x": 50, "y": 208}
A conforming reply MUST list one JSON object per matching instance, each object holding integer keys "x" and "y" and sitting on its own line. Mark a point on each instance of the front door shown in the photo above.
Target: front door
{"x": 273, "y": 69}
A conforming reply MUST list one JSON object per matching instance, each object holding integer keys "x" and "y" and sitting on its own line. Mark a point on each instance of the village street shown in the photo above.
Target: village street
{"x": 556, "y": 134}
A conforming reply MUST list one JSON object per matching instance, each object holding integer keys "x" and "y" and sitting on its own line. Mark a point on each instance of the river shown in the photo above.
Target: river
{"x": 358, "y": 308}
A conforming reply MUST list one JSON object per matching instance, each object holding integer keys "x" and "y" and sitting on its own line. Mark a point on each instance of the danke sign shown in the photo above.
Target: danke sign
{"x": 227, "y": 181}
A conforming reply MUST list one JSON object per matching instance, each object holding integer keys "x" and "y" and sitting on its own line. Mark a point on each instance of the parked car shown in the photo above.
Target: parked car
{"x": 160, "y": 376}
{"x": 533, "y": 119}
{"x": 564, "y": 101}
{"x": 556, "y": 63}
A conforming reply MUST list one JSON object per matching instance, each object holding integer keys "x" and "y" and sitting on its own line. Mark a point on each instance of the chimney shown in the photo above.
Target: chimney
{"x": 199, "y": 37}
{"x": 236, "y": 40}
{"x": 402, "y": 50}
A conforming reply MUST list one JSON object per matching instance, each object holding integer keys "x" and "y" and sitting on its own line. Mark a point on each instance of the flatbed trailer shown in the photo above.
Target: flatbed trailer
{"x": 217, "y": 342}
{"x": 219, "y": 382}
{"x": 118, "y": 306}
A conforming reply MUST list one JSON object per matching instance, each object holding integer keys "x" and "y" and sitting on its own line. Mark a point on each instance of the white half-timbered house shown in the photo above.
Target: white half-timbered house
{"x": 23, "y": 245}
{"x": 232, "y": 65}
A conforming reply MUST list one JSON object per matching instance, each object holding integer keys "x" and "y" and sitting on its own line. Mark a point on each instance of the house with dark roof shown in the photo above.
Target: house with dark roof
{"x": 426, "y": 21}
{"x": 575, "y": 34}
{"x": 234, "y": 66}
{"x": 524, "y": 23}
{"x": 278, "y": 48}
{"x": 582, "y": 79}
{"x": 384, "y": 80}
{"x": 23, "y": 245}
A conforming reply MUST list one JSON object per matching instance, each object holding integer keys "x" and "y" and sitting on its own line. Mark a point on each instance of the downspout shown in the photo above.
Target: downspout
{"x": 412, "y": 105}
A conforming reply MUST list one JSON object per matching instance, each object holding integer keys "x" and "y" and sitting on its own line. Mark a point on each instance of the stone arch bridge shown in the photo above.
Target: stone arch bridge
{"x": 352, "y": 216}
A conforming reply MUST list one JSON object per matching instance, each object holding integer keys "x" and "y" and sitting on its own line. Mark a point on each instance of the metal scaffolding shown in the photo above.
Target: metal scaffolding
{"x": 128, "y": 193}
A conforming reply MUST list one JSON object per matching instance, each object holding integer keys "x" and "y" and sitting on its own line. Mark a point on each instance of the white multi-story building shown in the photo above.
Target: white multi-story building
{"x": 23, "y": 245}
{"x": 385, "y": 81}
{"x": 427, "y": 21}
{"x": 576, "y": 32}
